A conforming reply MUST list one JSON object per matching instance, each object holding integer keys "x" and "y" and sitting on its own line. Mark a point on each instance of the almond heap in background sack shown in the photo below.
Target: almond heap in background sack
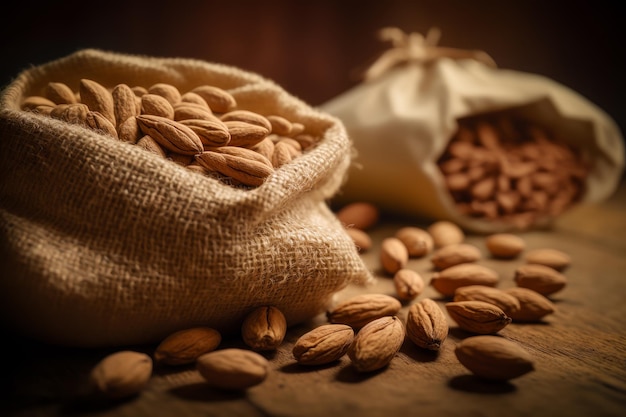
{"x": 444, "y": 134}
{"x": 140, "y": 196}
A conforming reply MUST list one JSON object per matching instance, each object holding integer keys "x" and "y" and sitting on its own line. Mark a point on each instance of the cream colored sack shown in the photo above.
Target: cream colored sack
{"x": 105, "y": 244}
{"x": 403, "y": 116}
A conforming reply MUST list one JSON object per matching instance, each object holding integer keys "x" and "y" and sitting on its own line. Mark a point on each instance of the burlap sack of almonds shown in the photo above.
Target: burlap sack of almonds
{"x": 443, "y": 133}
{"x": 107, "y": 243}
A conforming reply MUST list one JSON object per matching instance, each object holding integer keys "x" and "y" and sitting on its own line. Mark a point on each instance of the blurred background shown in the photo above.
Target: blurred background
{"x": 315, "y": 49}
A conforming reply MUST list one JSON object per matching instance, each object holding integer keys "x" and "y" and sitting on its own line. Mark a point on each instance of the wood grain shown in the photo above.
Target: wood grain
{"x": 580, "y": 353}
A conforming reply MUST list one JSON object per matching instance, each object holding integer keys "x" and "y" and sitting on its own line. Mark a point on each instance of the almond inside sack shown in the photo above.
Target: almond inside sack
{"x": 531, "y": 149}
{"x": 107, "y": 244}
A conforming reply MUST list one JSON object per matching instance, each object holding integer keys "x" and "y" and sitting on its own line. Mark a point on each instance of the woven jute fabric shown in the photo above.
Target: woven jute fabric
{"x": 105, "y": 244}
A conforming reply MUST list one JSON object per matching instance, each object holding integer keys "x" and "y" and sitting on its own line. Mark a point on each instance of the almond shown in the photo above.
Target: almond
{"x": 359, "y": 214}
{"x": 60, "y": 93}
{"x": 147, "y": 143}
{"x": 121, "y": 374}
{"x": 494, "y": 357}
{"x": 280, "y": 125}
{"x": 324, "y": 344}
{"x": 156, "y": 105}
{"x": 139, "y": 90}
{"x": 182, "y": 160}
{"x": 376, "y": 344}
{"x": 507, "y": 302}
{"x": 408, "y": 284}
{"x": 97, "y": 98}
{"x": 393, "y": 255}
{"x": 218, "y": 99}
{"x": 426, "y": 324}
{"x": 244, "y": 153}
{"x": 553, "y": 258}
{"x": 44, "y": 110}
{"x": 194, "y": 98}
{"x": 296, "y": 129}
{"x": 167, "y": 91}
{"x": 418, "y": 241}
{"x": 128, "y": 130}
{"x": 98, "y": 122}
{"x": 186, "y": 111}
{"x": 478, "y": 316}
{"x": 305, "y": 140}
{"x": 533, "y": 306}
{"x": 173, "y": 136}
{"x": 265, "y": 148}
{"x": 211, "y": 132}
{"x": 445, "y": 233}
{"x": 185, "y": 346}
{"x": 281, "y": 155}
{"x": 360, "y": 309}
{"x": 75, "y": 113}
{"x": 32, "y": 102}
{"x": 245, "y": 170}
{"x": 447, "y": 281}
{"x": 505, "y": 245}
{"x": 361, "y": 239}
{"x": 540, "y": 278}
{"x": 245, "y": 134}
{"x": 264, "y": 328}
{"x": 248, "y": 117}
{"x": 233, "y": 368}
{"x": 124, "y": 104}
{"x": 455, "y": 254}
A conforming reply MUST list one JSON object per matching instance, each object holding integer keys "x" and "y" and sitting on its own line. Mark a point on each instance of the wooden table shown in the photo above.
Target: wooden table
{"x": 579, "y": 352}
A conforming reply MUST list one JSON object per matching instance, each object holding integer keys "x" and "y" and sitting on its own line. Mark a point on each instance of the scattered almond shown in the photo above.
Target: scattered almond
{"x": 540, "y": 278}
{"x": 324, "y": 344}
{"x": 360, "y": 309}
{"x": 408, "y": 284}
{"x": 360, "y": 214}
{"x": 494, "y": 357}
{"x": 426, "y": 324}
{"x": 447, "y": 281}
{"x": 507, "y": 302}
{"x": 233, "y": 368}
{"x": 553, "y": 258}
{"x": 533, "y": 306}
{"x": 393, "y": 255}
{"x": 505, "y": 245}
{"x": 445, "y": 233}
{"x": 478, "y": 316}
{"x": 185, "y": 346}
{"x": 376, "y": 344}
{"x": 455, "y": 254}
{"x": 121, "y": 374}
{"x": 264, "y": 328}
{"x": 361, "y": 239}
{"x": 418, "y": 241}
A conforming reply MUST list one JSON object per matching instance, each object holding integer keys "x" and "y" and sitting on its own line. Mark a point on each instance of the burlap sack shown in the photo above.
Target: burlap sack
{"x": 403, "y": 115}
{"x": 105, "y": 244}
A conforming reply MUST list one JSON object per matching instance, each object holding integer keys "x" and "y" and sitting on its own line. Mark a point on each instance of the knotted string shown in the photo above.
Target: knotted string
{"x": 413, "y": 47}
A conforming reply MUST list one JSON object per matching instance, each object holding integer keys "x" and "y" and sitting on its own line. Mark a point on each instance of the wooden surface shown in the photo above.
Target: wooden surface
{"x": 579, "y": 353}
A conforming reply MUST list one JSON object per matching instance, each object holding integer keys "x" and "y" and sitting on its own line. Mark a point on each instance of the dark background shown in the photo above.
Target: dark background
{"x": 315, "y": 48}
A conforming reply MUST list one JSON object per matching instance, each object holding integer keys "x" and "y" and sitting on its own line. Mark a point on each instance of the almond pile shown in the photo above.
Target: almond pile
{"x": 202, "y": 129}
{"x": 472, "y": 299}
{"x": 499, "y": 168}
{"x": 368, "y": 328}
